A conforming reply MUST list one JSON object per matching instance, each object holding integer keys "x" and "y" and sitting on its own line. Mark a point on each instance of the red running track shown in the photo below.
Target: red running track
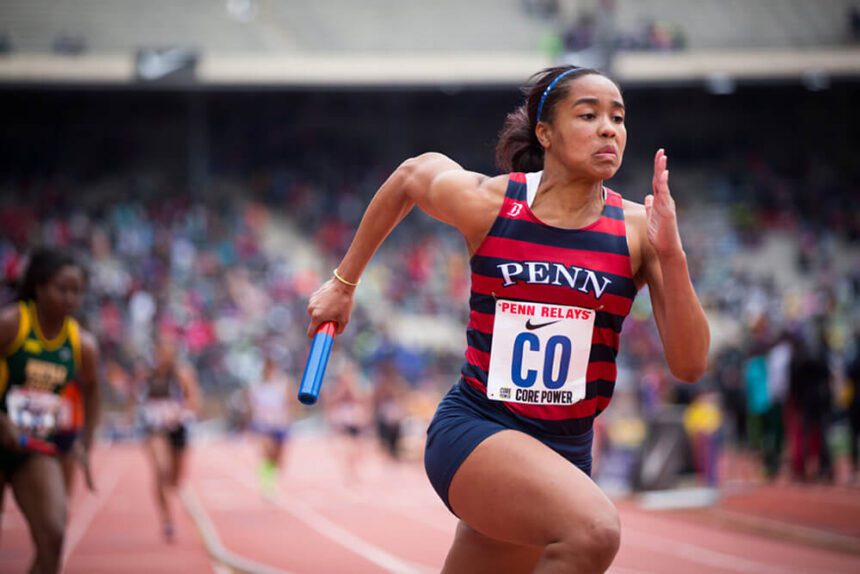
{"x": 319, "y": 522}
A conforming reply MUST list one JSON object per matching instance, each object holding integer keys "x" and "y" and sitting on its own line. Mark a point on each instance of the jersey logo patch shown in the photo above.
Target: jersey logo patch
{"x": 515, "y": 209}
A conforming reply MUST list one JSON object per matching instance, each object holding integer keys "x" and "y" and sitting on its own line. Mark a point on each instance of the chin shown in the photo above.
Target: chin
{"x": 605, "y": 173}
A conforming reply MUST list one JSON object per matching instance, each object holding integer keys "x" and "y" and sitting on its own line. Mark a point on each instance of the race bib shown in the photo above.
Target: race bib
{"x": 162, "y": 414}
{"x": 38, "y": 413}
{"x": 540, "y": 353}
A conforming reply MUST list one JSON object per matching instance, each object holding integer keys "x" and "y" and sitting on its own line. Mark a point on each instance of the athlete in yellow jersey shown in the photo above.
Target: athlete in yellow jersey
{"x": 48, "y": 397}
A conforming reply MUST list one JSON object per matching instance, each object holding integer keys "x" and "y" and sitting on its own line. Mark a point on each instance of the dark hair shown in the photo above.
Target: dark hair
{"x": 43, "y": 265}
{"x": 518, "y": 148}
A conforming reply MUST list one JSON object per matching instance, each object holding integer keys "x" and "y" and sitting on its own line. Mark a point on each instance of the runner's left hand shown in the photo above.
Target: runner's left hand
{"x": 82, "y": 456}
{"x": 660, "y": 211}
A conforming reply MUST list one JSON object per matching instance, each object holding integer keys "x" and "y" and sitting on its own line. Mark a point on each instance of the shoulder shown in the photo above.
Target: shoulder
{"x": 464, "y": 180}
{"x": 633, "y": 212}
{"x": 10, "y": 315}
{"x": 637, "y": 237}
{"x": 186, "y": 372}
{"x": 10, "y": 318}
{"x": 89, "y": 344}
{"x": 634, "y": 218}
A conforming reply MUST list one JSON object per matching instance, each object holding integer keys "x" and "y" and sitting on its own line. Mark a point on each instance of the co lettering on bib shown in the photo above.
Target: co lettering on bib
{"x": 540, "y": 353}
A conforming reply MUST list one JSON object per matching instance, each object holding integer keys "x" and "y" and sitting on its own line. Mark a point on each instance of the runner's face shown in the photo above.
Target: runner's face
{"x": 62, "y": 294}
{"x": 586, "y": 132}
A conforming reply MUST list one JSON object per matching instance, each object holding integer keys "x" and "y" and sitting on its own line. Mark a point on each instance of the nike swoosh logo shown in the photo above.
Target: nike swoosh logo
{"x": 531, "y": 327}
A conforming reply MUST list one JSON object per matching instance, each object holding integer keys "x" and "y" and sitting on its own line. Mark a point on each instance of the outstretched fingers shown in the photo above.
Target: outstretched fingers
{"x": 660, "y": 180}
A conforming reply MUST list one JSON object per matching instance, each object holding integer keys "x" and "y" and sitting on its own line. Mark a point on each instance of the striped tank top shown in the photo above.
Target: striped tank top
{"x": 537, "y": 276}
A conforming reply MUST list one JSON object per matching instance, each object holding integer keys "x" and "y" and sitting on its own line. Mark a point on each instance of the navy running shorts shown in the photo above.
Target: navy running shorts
{"x": 462, "y": 422}
{"x": 278, "y": 433}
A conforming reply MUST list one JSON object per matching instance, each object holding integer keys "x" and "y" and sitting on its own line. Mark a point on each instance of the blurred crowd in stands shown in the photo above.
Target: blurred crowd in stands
{"x": 207, "y": 271}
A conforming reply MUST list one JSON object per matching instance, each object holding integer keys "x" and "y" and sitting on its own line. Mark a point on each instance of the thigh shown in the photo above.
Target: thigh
{"x": 177, "y": 465}
{"x": 40, "y": 492}
{"x": 515, "y": 489}
{"x": 157, "y": 449}
{"x": 475, "y": 553}
{"x": 69, "y": 463}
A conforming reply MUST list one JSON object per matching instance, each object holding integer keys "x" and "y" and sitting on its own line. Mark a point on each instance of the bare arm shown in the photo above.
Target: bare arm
{"x": 190, "y": 387}
{"x": 438, "y": 186}
{"x": 680, "y": 318}
{"x": 89, "y": 382}
{"x": 8, "y": 330}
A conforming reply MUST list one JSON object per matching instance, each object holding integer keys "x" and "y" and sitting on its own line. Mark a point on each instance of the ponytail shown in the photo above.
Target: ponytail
{"x": 518, "y": 148}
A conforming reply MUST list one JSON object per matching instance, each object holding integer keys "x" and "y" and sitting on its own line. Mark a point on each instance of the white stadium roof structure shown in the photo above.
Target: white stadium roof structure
{"x": 390, "y": 43}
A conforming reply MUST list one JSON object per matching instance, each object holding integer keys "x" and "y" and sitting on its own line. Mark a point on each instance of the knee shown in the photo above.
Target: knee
{"x": 589, "y": 547}
{"x": 602, "y": 539}
{"x": 50, "y": 537}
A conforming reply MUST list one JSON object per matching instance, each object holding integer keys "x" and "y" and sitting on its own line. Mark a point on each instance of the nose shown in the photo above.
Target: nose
{"x": 607, "y": 129}
{"x": 72, "y": 301}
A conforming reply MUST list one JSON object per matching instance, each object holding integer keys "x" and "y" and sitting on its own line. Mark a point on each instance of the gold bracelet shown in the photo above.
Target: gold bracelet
{"x": 344, "y": 281}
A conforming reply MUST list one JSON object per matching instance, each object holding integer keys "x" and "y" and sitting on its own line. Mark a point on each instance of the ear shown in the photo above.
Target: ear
{"x": 543, "y": 131}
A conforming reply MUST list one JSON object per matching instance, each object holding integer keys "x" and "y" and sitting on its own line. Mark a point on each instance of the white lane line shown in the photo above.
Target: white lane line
{"x": 329, "y": 529}
{"x": 341, "y": 536}
{"x": 412, "y": 513}
{"x": 84, "y": 515}
{"x": 824, "y": 537}
{"x": 700, "y": 554}
{"x": 227, "y": 559}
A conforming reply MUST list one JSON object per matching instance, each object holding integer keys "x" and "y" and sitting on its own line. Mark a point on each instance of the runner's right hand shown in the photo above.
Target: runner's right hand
{"x": 331, "y": 302}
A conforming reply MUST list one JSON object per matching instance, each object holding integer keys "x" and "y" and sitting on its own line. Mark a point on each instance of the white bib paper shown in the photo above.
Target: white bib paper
{"x": 38, "y": 413}
{"x": 162, "y": 414}
{"x": 540, "y": 353}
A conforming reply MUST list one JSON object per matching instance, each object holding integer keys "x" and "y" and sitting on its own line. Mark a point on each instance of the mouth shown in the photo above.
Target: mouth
{"x": 607, "y": 154}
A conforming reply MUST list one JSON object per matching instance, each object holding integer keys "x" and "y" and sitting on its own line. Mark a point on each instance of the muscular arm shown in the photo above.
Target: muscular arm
{"x": 89, "y": 382}
{"x": 680, "y": 318}
{"x": 438, "y": 186}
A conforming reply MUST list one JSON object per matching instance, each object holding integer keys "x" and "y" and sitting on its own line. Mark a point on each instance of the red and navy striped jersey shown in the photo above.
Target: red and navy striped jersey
{"x": 523, "y": 259}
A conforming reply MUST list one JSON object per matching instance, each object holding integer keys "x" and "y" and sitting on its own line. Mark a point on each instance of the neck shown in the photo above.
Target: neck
{"x": 49, "y": 325}
{"x": 567, "y": 201}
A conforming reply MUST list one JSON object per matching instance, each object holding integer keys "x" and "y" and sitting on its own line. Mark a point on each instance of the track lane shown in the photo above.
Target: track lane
{"x": 389, "y": 521}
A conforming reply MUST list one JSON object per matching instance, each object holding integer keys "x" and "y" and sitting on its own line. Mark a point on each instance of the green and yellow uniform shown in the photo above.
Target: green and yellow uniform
{"x": 36, "y": 364}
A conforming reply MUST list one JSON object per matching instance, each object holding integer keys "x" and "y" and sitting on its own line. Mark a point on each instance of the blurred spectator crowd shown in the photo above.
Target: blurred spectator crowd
{"x": 208, "y": 272}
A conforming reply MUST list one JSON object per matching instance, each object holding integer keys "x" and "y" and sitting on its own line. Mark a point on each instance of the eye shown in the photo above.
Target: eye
{"x": 588, "y": 116}
{"x": 618, "y": 119}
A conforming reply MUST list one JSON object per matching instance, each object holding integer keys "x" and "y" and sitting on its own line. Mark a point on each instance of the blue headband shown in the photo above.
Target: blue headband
{"x": 550, "y": 87}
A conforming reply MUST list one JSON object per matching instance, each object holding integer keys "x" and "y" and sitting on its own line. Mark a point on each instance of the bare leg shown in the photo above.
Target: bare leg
{"x": 158, "y": 452}
{"x": 478, "y": 554}
{"x": 177, "y": 466}
{"x": 516, "y": 491}
{"x": 41, "y": 495}
{"x": 2, "y": 501}
{"x": 69, "y": 464}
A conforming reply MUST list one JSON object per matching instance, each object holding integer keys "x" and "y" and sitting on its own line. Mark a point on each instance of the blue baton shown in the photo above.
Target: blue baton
{"x": 312, "y": 378}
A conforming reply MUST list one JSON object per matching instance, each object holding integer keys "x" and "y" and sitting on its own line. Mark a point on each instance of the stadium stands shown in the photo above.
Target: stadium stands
{"x": 440, "y": 26}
